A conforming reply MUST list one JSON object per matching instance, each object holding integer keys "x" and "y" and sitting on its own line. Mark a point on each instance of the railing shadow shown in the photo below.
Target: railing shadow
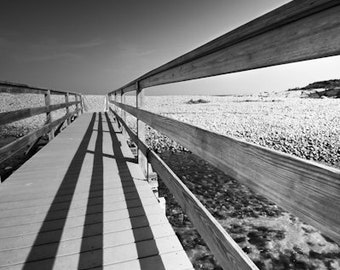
{"x": 125, "y": 175}
{"x": 67, "y": 186}
{"x": 96, "y": 195}
{"x": 91, "y": 253}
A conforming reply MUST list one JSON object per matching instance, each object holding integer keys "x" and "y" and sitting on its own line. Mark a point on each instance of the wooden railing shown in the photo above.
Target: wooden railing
{"x": 299, "y": 30}
{"x": 50, "y": 127}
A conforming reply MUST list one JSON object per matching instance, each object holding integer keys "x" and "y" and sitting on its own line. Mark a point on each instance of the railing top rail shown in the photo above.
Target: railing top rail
{"x": 305, "y": 188}
{"x": 12, "y": 116}
{"x": 238, "y": 49}
{"x": 10, "y": 87}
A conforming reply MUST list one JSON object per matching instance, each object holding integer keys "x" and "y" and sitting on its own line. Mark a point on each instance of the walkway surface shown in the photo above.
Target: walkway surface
{"x": 82, "y": 203}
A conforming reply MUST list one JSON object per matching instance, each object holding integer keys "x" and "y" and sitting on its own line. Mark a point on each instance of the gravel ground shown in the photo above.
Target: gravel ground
{"x": 307, "y": 128}
{"x": 273, "y": 238}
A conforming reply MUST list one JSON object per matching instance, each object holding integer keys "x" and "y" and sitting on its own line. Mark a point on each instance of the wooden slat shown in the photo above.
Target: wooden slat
{"x": 87, "y": 208}
{"x": 12, "y": 116}
{"x": 312, "y": 37}
{"x": 110, "y": 255}
{"x": 173, "y": 261}
{"x": 9, "y": 150}
{"x": 140, "y": 100}
{"x": 67, "y": 107}
{"x": 226, "y": 250}
{"x": 258, "y": 44}
{"x": 307, "y": 189}
{"x": 16, "y": 88}
{"x": 49, "y": 115}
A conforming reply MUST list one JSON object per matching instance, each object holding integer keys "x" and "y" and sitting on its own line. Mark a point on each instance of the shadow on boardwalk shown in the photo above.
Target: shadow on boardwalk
{"x": 92, "y": 240}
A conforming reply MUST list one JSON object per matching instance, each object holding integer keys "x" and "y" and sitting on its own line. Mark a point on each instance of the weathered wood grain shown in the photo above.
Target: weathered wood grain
{"x": 131, "y": 134}
{"x": 103, "y": 215}
{"x": 309, "y": 29}
{"x": 317, "y": 37}
{"x": 48, "y": 114}
{"x": 16, "y": 88}
{"x": 9, "y": 150}
{"x": 128, "y": 88}
{"x": 140, "y": 100}
{"x": 307, "y": 189}
{"x": 227, "y": 252}
{"x": 67, "y": 100}
{"x": 12, "y": 116}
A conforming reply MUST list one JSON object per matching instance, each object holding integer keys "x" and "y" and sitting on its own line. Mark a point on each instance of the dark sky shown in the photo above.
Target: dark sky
{"x": 96, "y": 46}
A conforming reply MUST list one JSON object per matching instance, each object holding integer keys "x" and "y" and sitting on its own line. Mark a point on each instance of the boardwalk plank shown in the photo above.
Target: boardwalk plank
{"x": 82, "y": 202}
{"x": 69, "y": 247}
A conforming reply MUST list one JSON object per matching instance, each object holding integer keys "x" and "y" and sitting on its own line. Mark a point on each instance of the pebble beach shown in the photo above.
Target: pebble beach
{"x": 272, "y": 238}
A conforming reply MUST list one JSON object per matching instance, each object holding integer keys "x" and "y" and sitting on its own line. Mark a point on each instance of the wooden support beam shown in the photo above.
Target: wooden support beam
{"x": 16, "y": 88}
{"x": 141, "y": 128}
{"x": 115, "y": 99}
{"x": 67, "y": 108}
{"x": 81, "y": 103}
{"x": 48, "y": 114}
{"x": 224, "y": 248}
{"x": 10, "y": 149}
{"x": 123, "y": 112}
{"x": 12, "y": 116}
{"x": 30, "y": 147}
{"x": 307, "y": 189}
{"x": 107, "y": 103}
{"x": 77, "y": 106}
{"x": 298, "y": 31}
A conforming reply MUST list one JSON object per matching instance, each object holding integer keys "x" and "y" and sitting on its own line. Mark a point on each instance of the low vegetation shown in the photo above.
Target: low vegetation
{"x": 198, "y": 101}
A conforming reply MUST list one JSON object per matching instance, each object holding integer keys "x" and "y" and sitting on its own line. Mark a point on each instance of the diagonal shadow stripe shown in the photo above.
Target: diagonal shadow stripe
{"x": 70, "y": 180}
{"x": 124, "y": 173}
{"x": 87, "y": 244}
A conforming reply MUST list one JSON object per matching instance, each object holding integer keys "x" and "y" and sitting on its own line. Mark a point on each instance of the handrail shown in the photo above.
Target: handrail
{"x": 223, "y": 246}
{"x": 10, "y": 149}
{"x": 300, "y": 30}
{"x": 305, "y": 188}
{"x": 12, "y": 116}
{"x": 49, "y": 127}
{"x": 17, "y": 88}
{"x": 269, "y": 40}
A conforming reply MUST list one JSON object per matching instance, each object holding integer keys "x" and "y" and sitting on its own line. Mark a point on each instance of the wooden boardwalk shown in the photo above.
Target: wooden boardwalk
{"x": 81, "y": 202}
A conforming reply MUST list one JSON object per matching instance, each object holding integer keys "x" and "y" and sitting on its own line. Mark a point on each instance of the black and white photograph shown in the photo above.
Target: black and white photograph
{"x": 170, "y": 134}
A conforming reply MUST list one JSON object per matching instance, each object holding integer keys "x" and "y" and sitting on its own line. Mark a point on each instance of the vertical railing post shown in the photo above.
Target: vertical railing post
{"x": 140, "y": 128}
{"x": 123, "y": 112}
{"x": 115, "y": 99}
{"x": 107, "y": 104}
{"x": 81, "y": 104}
{"x": 77, "y": 106}
{"x": 48, "y": 114}
{"x": 67, "y": 95}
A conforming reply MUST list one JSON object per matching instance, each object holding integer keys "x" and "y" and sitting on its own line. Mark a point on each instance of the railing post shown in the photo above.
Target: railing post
{"x": 107, "y": 104}
{"x": 115, "y": 99}
{"x": 123, "y": 112}
{"x": 48, "y": 114}
{"x": 140, "y": 128}
{"x": 77, "y": 106}
{"x": 81, "y": 104}
{"x": 67, "y": 108}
